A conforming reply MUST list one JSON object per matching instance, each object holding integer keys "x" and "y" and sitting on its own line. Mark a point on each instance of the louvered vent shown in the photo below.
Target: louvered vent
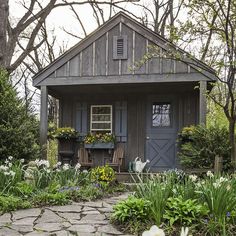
{"x": 120, "y": 47}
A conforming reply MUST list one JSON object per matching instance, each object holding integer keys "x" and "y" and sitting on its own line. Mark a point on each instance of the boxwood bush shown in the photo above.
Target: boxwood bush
{"x": 198, "y": 146}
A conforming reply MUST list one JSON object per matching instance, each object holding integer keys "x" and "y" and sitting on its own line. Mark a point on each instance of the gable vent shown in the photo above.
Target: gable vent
{"x": 119, "y": 47}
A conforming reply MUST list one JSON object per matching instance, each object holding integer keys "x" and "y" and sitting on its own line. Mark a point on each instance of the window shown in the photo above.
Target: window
{"x": 119, "y": 47}
{"x": 101, "y": 118}
{"x": 161, "y": 114}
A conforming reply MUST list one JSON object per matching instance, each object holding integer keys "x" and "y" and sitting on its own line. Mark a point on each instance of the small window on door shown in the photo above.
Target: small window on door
{"x": 101, "y": 119}
{"x": 161, "y": 114}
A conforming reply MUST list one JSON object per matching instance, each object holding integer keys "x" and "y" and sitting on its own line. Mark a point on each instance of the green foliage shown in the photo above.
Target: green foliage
{"x": 131, "y": 209}
{"x": 199, "y": 145}
{"x": 183, "y": 212}
{"x": 18, "y": 128}
{"x": 103, "y": 174}
{"x": 66, "y": 133}
{"x": 23, "y": 189}
{"x": 52, "y": 150}
{"x": 11, "y": 203}
{"x": 45, "y": 198}
{"x": 87, "y": 193}
{"x": 99, "y": 137}
{"x": 156, "y": 191}
{"x": 10, "y": 174}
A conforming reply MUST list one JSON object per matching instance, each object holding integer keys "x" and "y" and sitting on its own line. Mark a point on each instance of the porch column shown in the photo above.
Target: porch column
{"x": 202, "y": 102}
{"x": 44, "y": 120}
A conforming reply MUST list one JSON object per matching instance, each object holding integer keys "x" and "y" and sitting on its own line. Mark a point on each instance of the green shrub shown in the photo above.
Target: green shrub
{"x": 103, "y": 174}
{"x": 183, "y": 212}
{"x": 199, "y": 145}
{"x": 87, "y": 193}
{"x": 19, "y": 129}
{"x": 45, "y": 198}
{"x": 11, "y": 203}
{"x": 23, "y": 189}
{"x": 131, "y": 209}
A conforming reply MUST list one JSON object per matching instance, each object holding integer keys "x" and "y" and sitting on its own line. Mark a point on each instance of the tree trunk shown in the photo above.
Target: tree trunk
{"x": 232, "y": 142}
{"x": 4, "y": 12}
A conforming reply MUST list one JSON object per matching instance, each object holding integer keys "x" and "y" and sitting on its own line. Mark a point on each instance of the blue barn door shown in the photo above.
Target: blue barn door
{"x": 161, "y": 133}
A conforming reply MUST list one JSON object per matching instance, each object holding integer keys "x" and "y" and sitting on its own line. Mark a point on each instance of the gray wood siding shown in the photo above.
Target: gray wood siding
{"x": 125, "y": 64}
{"x": 113, "y": 65}
{"x": 87, "y": 61}
{"x": 100, "y": 56}
{"x": 75, "y": 66}
{"x": 97, "y": 58}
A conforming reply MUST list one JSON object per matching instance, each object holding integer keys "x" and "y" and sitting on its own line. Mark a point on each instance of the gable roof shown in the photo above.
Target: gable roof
{"x": 161, "y": 42}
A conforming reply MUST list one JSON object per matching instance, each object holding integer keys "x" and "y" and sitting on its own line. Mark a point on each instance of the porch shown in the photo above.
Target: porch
{"x": 145, "y": 118}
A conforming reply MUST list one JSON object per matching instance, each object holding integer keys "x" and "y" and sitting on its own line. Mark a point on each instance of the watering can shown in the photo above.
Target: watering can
{"x": 138, "y": 165}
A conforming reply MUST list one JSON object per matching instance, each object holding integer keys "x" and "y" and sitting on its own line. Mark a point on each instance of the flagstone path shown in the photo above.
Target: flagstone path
{"x": 77, "y": 219}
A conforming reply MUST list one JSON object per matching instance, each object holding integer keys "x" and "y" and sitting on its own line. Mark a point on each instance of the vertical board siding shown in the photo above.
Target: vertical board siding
{"x": 100, "y": 56}
{"x": 121, "y": 121}
{"x": 87, "y": 61}
{"x": 154, "y": 62}
{"x": 190, "y": 109}
{"x": 74, "y": 69}
{"x": 167, "y": 66}
{"x": 67, "y": 113}
{"x": 140, "y": 51}
{"x": 62, "y": 71}
{"x": 81, "y": 118}
{"x": 181, "y": 67}
{"x": 126, "y": 64}
{"x": 113, "y": 65}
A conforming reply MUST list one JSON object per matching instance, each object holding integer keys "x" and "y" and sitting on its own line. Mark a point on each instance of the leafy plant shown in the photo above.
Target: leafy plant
{"x": 103, "y": 174}
{"x": 131, "y": 209}
{"x": 66, "y": 133}
{"x": 199, "y": 145}
{"x": 183, "y": 212}
{"x": 11, "y": 203}
{"x": 99, "y": 137}
{"x": 156, "y": 190}
{"x": 45, "y": 198}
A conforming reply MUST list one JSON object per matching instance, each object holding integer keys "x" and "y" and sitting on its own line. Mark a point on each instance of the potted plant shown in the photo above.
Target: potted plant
{"x": 67, "y": 137}
{"x": 99, "y": 141}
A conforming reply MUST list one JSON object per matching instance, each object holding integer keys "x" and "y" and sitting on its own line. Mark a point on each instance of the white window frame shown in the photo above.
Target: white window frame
{"x": 102, "y": 122}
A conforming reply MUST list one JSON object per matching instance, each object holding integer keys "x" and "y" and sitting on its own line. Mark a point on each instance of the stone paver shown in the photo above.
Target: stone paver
{"x": 80, "y": 219}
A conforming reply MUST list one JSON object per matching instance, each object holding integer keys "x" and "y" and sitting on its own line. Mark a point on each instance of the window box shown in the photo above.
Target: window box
{"x": 99, "y": 145}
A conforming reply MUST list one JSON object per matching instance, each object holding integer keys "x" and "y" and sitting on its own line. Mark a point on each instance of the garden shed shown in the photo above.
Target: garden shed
{"x": 100, "y": 90}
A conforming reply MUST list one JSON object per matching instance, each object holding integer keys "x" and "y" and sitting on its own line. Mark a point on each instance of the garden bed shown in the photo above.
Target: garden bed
{"x": 37, "y": 184}
{"x": 206, "y": 205}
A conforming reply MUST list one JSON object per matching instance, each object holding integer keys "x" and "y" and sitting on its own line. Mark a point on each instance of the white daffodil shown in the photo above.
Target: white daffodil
{"x": 193, "y": 177}
{"x": 154, "y": 231}
{"x": 10, "y": 158}
{"x": 77, "y": 167}
{"x": 22, "y": 160}
{"x": 184, "y": 231}
{"x": 3, "y": 168}
{"x": 12, "y": 173}
{"x": 66, "y": 167}
{"x": 210, "y": 174}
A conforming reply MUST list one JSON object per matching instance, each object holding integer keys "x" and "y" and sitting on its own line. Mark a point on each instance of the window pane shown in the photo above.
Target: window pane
{"x": 101, "y": 110}
{"x": 101, "y": 117}
{"x": 161, "y": 114}
{"x": 101, "y": 126}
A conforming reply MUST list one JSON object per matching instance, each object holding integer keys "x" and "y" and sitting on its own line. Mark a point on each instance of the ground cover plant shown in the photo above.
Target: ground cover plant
{"x": 172, "y": 200}
{"x": 38, "y": 184}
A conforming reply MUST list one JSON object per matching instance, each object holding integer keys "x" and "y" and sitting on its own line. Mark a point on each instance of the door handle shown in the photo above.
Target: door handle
{"x": 147, "y": 137}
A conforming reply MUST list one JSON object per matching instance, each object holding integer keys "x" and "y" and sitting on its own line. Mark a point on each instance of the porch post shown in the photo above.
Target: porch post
{"x": 44, "y": 120}
{"x": 202, "y": 102}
